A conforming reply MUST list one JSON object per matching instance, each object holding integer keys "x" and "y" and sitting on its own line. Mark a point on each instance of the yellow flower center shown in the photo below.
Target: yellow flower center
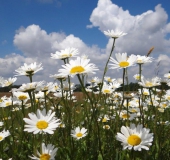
{"x": 107, "y": 127}
{"x": 168, "y": 97}
{"x": 106, "y": 91}
{"x": 22, "y": 97}
{"x": 125, "y": 116}
{"x": 77, "y": 69}
{"x": 149, "y": 84}
{"x": 1, "y": 138}
{"x": 145, "y": 93}
{"x": 104, "y": 120}
{"x": 134, "y": 140}
{"x": 164, "y": 105}
{"x": 8, "y": 104}
{"x": 1, "y": 100}
{"x": 133, "y": 110}
{"x": 124, "y": 64}
{"x": 42, "y": 124}
{"x": 45, "y": 156}
{"x": 79, "y": 134}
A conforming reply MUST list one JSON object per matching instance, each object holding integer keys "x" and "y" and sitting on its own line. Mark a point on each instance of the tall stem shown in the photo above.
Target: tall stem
{"x": 105, "y": 69}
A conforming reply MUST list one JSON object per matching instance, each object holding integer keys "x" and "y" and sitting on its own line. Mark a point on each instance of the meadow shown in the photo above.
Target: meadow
{"x": 48, "y": 121}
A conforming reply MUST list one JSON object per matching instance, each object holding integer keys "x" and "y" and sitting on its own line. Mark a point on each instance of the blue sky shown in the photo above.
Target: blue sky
{"x": 76, "y": 18}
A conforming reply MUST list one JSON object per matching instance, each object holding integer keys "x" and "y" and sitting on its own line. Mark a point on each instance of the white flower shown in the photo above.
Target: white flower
{"x": 78, "y": 133}
{"x": 122, "y": 61}
{"x": 148, "y": 83}
{"x": 124, "y": 115}
{"x": 42, "y": 122}
{"x": 1, "y": 124}
{"x": 22, "y": 96}
{"x": 47, "y": 153}
{"x": 107, "y": 89}
{"x": 28, "y": 87}
{"x": 114, "y": 34}
{"x": 135, "y": 137}
{"x": 143, "y": 59}
{"x": 7, "y": 82}
{"x": 167, "y": 75}
{"x": 78, "y": 66}
{"x": 137, "y": 77}
{"x": 28, "y": 70}
{"x": 4, "y": 134}
{"x": 66, "y": 53}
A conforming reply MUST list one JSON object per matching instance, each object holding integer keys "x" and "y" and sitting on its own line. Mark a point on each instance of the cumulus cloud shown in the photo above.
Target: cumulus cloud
{"x": 145, "y": 30}
{"x": 37, "y": 44}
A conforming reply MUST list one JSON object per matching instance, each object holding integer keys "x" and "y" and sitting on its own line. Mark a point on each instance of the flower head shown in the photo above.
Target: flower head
{"x": 66, "y": 53}
{"x": 78, "y": 66}
{"x": 4, "y": 134}
{"x": 122, "y": 61}
{"x": 143, "y": 59}
{"x": 135, "y": 137}
{"x": 47, "y": 153}
{"x": 148, "y": 83}
{"x": 28, "y": 70}
{"x": 79, "y": 133}
{"x": 7, "y": 82}
{"x": 114, "y": 34}
{"x": 41, "y": 122}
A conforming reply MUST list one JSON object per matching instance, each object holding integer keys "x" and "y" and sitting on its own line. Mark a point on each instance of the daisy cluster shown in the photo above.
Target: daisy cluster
{"x": 48, "y": 120}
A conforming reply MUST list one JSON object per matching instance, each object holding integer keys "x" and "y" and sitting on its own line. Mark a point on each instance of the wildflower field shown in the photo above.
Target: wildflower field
{"x": 46, "y": 121}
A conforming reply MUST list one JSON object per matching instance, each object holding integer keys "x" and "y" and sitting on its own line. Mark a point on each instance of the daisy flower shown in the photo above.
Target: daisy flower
{"x": 122, "y": 61}
{"x": 114, "y": 34}
{"x": 1, "y": 124}
{"x": 41, "y": 122}
{"x": 148, "y": 83}
{"x": 78, "y": 133}
{"x": 66, "y": 53}
{"x": 143, "y": 59}
{"x": 137, "y": 77}
{"x": 167, "y": 75}
{"x": 77, "y": 66}
{"x": 124, "y": 115}
{"x": 107, "y": 127}
{"x": 47, "y": 153}
{"x": 8, "y": 82}
{"x": 4, "y": 134}
{"x": 28, "y": 70}
{"x": 22, "y": 96}
{"x": 28, "y": 87}
{"x": 135, "y": 137}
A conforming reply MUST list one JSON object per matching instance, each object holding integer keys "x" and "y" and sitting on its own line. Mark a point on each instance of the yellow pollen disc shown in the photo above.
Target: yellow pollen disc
{"x": 134, "y": 140}
{"x": 77, "y": 69}
{"x": 8, "y": 104}
{"x": 42, "y": 124}
{"x": 104, "y": 120}
{"x": 125, "y": 116}
{"x": 1, "y": 100}
{"x": 79, "y": 134}
{"x": 133, "y": 110}
{"x": 22, "y": 97}
{"x": 149, "y": 84}
{"x": 107, "y": 127}
{"x": 64, "y": 55}
{"x": 139, "y": 61}
{"x": 106, "y": 91}
{"x": 45, "y": 157}
{"x": 164, "y": 105}
{"x": 124, "y": 64}
{"x": 145, "y": 93}
{"x": 1, "y": 138}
